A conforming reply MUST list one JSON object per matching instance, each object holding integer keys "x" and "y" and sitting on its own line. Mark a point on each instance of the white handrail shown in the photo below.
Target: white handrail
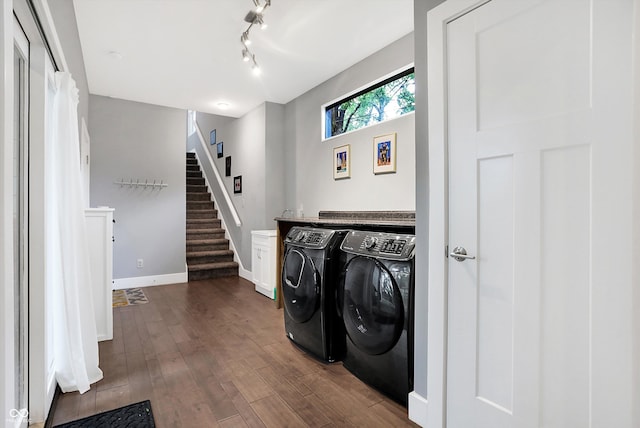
{"x": 227, "y": 198}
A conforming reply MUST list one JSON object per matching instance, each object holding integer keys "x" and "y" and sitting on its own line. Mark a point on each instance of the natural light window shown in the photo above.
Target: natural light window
{"x": 384, "y": 100}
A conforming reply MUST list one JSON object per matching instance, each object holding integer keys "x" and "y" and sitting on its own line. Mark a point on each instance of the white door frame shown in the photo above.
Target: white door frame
{"x": 437, "y": 21}
{"x": 433, "y": 413}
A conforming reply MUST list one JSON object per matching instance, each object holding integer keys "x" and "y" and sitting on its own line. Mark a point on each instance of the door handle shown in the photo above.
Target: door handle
{"x": 460, "y": 254}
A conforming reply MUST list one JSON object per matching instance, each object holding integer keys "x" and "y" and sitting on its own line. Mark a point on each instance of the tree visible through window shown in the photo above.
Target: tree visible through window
{"x": 385, "y": 100}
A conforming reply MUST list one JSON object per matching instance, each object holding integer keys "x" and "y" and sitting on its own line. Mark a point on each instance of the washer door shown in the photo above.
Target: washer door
{"x": 300, "y": 288}
{"x": 372, "y": 306}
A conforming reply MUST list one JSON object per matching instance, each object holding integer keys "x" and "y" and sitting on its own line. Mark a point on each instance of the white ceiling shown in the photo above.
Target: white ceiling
{"x": 187, "y": 53}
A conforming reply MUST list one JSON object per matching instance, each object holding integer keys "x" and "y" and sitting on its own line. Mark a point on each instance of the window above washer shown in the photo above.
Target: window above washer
{"x": 386, "y": 99}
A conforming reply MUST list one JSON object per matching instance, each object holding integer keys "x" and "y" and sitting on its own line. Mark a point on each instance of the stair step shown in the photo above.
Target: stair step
{"x": 213, "y": 270}
{"x": 198, "y": 196}
{"x": 192, "y": 161}
{"x": 198, "y": 181}
{"x": 193, "y": 213}
{"x": 193, "y": 168}
{"x": 199, "y": 205}
{"x": 208, "y": 257}
{"x": 191, "y": 155}
{"x": 197, "y": 245}
{"x": 194, "y": 174}
{"x": 191, "y": 188}
{"x": 198, "y": 234}
{"x": 204, "y": 223}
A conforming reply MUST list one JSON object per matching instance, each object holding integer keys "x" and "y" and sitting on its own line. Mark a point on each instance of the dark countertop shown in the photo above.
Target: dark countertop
{"x": 375, "y": 219}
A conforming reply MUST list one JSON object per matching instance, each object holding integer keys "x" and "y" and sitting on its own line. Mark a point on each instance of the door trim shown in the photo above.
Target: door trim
{"x": 432, "y": 410}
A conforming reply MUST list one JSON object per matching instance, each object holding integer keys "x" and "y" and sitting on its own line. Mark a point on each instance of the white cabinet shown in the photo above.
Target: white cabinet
{"x": 263, "y": 261}
{"x": 99, "y": 224}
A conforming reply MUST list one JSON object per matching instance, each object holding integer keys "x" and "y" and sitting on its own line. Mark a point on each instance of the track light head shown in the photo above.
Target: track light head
{"x": 260, "y": 21}
{"x": 245, "y": 55}
{"x": 245, "y": 39}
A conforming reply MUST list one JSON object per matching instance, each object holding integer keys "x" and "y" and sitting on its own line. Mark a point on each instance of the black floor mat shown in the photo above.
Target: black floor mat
{"x": 136, "y": 415}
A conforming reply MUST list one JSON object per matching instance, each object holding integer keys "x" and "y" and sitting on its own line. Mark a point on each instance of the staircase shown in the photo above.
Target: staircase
{"x": 208, "y": 253}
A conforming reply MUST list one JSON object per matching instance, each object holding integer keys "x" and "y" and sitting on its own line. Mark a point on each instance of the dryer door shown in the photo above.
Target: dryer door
{"x": 300, "y": 287}
{"x": 372, "y": 306}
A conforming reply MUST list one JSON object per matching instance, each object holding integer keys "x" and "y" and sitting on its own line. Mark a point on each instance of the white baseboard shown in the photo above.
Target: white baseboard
{"x": 418, "y": 408}
{"x": 243, "y": 273}
{"x": 148, "y": 281}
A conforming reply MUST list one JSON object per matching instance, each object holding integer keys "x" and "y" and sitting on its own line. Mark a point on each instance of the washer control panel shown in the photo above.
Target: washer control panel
{"x": 309, "y": 237}
{"x": 381, "y": 245}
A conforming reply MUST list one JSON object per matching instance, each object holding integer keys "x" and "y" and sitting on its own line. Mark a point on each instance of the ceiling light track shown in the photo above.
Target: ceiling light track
{"x": 254, "y": 17}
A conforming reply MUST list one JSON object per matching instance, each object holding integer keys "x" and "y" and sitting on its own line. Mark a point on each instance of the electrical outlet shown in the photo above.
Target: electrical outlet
{"x": 140, "y": 263}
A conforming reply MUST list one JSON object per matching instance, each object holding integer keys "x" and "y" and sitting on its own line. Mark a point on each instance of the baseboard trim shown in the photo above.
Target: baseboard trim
{"x": 243, "y": 273}
{"x": 418, "y": 408}
{"x": 149, "y": 281}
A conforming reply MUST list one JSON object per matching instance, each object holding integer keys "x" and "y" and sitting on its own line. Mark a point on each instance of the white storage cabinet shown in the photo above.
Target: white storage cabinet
{"x": 99, "y": 224}
{"x": 263, "y": 261}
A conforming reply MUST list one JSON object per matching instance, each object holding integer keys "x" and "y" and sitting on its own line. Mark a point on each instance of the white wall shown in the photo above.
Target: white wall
{"x": 131, "y": 140}
{"x": 309, "y": 160}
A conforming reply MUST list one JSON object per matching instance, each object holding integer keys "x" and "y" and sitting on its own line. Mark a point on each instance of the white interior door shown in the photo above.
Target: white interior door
{"x": 530, "y": 165}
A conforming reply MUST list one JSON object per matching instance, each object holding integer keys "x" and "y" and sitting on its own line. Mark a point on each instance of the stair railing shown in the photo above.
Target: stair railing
{"x": 223, "y": 189}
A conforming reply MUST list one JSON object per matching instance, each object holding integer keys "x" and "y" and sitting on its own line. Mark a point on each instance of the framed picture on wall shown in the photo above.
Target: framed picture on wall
{"x": 384, "y": 154}
{"x": 342, "y": 162}
{"x": 219, "y": 149}
{"x": 212, "y": 137}
{"x": 227, "y": 166}
{"x": 237, "y": 184}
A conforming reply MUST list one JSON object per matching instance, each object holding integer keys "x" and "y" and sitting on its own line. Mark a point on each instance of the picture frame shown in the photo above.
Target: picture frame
{"x": 384, "y": 154}
{"x": 342, "y": 162}
{"x": 220, "y": 149}
{"x": 227, "y": 166}
{"x": 212, "y": 137}
{"x": 237, "y": 184}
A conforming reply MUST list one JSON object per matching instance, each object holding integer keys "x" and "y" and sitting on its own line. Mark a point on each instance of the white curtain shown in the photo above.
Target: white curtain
{"x": 74, "y": 334}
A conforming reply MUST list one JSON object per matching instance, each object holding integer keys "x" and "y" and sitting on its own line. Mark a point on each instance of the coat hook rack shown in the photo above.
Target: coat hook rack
{"x": 131, "y": 183}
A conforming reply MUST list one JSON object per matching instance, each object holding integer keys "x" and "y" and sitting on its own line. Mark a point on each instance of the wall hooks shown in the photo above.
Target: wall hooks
{"x": 138, "y": 183}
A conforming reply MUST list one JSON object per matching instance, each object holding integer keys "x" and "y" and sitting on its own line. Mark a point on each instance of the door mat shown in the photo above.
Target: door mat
{"x": 128, "y": 296}
{"x": 136, "y": 415}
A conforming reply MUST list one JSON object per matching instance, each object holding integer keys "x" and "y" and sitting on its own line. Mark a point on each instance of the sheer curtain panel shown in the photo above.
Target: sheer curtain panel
{"x": 75, "y": 337}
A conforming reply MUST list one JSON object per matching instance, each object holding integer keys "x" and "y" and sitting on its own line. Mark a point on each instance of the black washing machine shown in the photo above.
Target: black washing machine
{"x": 312, "y": 261}
{"x": 376, "y": 304}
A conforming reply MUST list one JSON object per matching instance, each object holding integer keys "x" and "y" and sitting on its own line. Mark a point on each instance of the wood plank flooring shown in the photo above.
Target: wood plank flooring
{"x": 213, "y": 353}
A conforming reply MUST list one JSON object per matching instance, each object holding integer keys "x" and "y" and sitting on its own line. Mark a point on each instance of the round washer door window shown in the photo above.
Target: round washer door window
{"x": 300, "y": 288}
{"x": 372, "y": 306}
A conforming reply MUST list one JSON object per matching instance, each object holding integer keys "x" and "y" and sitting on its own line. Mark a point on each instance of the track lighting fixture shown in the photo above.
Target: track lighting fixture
{"x": 254, "y": 17}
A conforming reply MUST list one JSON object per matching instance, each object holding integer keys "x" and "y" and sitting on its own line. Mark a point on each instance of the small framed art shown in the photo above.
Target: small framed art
{"x": 219, "y": 149}
{"x": 227, "y": 166}
{"x": 212, "y": 137}
{"x": 342, "y": 162}
{"x": 237, "y": 184}
{"x": 384, "y": 154}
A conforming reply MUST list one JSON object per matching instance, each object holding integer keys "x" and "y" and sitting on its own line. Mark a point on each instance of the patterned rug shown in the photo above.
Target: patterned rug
{"x": 137, "y": 415}
{"x": 129, "y": 296}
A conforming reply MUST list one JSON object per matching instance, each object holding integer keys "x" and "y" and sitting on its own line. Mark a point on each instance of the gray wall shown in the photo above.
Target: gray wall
{"x": 131, "y": 140}
{"x": 310, "y": 185}
{"x": 255, "y": 143}
{"x": 64, "y": 18}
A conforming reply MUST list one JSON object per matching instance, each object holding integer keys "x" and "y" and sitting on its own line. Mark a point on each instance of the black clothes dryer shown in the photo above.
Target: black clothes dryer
{"x": 310, "y": 270}
{"x": 376, "y": 304}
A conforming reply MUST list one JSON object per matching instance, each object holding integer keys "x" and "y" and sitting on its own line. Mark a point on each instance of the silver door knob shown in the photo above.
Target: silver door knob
{"x": 460, "y": 254}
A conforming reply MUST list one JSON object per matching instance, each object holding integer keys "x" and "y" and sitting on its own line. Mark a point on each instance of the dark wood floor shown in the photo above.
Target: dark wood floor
{"x": 213, "y": 353}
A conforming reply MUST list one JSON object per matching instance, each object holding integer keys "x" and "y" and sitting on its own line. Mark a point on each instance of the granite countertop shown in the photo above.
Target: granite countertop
{"x": 357, "y": 218}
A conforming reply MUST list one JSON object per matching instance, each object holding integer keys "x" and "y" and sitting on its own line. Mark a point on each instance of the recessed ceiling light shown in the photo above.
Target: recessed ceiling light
{"x": 115, "y": 55}
{"x": 223, "y": 105}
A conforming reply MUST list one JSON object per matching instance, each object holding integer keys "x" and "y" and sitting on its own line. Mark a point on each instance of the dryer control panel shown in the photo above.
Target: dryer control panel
{"x": 381, "y": 245}
{"x": 309, "y": 237}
